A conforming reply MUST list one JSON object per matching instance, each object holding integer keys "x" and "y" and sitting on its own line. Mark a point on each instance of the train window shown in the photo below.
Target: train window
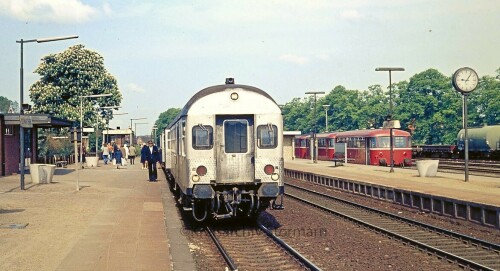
{"x": 267, "y": 136}
{"x": 203, "y": 137}
{"x": 235, "y": 136}
{"x": 401, "y": 142}
{"x": 383, "y": 142}
{"x": 372, "y": 143}
{"x": 321, "y": 142}
{"x": 331, "y": 142}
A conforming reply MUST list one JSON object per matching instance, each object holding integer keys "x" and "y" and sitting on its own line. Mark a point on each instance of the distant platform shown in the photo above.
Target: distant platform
{"x": 477, "y": 200}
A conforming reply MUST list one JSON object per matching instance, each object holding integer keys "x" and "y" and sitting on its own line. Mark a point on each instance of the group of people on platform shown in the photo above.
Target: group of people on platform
{"x": 150, "y": 155}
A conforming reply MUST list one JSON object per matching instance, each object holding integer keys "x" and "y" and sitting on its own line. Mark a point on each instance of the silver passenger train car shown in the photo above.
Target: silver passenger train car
{"x": 223, "y": 153}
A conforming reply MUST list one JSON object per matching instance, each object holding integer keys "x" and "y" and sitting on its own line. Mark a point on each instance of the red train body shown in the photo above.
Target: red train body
{"x": 302, "y": 150}
{"x": 367, "y": 147}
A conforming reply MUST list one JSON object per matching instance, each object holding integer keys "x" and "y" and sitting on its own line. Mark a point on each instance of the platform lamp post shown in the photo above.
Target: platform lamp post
{"x": 81, "y": 127}
{"x": 139, "y": 124}
{"x": 314, "y": 148}
{"x": 97, "y": 126}
{"x": 326, "y": 106}
{"x": 131, "y": 139}
{"x": 389, "y": 118}
{"x": 154, "y": 133}
{"x": 21, "y": 74}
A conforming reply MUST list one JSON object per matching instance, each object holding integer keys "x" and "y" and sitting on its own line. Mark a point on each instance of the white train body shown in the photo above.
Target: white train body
{"x": 224, "y": 152}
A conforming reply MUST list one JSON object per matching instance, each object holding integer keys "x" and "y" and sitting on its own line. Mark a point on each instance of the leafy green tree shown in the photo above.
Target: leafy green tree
{"x": 430, "y": 100}
{"x": 484, "y": 102}
{"x": 165, "y": 118}
{"x": 6, "y": 103}
{"x": 66, "y": 76}
{"x": 295, "y": 115}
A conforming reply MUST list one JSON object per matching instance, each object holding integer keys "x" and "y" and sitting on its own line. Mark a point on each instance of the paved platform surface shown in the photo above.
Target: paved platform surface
{"x": 116, "y": 221}
{"x": 478, "y": 189}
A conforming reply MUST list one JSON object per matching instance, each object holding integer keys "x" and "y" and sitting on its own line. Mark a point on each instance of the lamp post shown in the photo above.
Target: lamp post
{"x": 136, "y": 126}
{"x": 131, "y": 139}
{"x": 389, "y": 118}
{"x": 314, "y": 149}
{"x": 326, "y": 106}
{"x": 81, "y": 127}
{"x": 21, "y": 81}
{"x": 154, "y": 133}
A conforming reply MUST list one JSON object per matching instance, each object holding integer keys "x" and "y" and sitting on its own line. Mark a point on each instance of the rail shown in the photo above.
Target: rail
{"x": 466, "y": 251}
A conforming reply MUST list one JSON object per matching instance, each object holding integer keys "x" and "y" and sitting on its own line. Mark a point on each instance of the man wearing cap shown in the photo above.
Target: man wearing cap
{"x": 152, "y": 156}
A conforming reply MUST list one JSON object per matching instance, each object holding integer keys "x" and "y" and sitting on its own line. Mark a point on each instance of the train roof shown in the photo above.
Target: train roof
{"x": 220, "y": 88}
{"x": 371, "y": 133}
{"x": 327, "y": 135}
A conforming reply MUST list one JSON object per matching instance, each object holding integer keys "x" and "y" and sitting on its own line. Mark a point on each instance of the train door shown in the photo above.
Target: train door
{"x": 235, "y": 149}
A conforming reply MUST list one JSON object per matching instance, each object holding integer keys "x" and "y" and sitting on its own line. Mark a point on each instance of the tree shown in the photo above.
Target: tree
{"x": 165, "y": 118}
{"x": 431, "y": 101}
{"x": 5, "y": 104}
{"x": 66, "y": 76}
{"x": 485, "y": 102}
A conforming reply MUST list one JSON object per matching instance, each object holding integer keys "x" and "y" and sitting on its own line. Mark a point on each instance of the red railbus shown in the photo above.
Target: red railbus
{"x": 326, "y": 146}
{"x": 302, "y": 146}
{"x": 372, "y": 147}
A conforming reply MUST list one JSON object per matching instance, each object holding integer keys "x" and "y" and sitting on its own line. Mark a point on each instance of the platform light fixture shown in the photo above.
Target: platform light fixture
{"x": 131, "y": 139}
{"x": 21, "y": 98}
{"x": 389, "y": 118}
{"x": 314, "y": 148}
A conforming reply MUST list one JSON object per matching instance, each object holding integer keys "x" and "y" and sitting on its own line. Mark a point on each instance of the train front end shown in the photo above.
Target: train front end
{"x": 233, "y": 153}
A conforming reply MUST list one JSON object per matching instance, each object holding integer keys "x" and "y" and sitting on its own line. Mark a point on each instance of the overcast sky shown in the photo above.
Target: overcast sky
{"x": 162, "y": 52}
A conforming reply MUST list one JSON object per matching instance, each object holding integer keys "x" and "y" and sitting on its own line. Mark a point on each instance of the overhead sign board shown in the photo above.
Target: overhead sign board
{"x": 26, "y": 121}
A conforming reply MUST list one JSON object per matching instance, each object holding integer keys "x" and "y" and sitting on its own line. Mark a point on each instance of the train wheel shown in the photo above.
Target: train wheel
{"x": 382, "y": 162}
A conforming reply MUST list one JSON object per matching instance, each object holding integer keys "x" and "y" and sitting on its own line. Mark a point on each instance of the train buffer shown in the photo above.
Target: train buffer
{"x": 338, "y": 161}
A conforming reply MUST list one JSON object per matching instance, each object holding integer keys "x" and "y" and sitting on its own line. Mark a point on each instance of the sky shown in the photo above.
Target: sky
{"x": 163, "y": 52}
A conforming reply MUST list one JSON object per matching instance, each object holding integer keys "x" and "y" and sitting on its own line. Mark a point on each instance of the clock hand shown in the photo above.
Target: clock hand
{"x": 468, "y": 77}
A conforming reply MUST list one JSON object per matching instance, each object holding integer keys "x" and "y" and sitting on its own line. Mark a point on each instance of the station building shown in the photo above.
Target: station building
{"x": 9, "y": 138}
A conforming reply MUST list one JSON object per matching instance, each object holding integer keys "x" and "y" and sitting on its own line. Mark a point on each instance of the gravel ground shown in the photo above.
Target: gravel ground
{"x": 456, "y": 225}
{"x": 334, "y": 244}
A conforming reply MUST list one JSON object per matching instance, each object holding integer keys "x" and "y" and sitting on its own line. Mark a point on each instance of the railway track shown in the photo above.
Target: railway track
{"x": 466, "y": 251}
{"x": 476, "y": 167}
{"x": 257, "y": 249}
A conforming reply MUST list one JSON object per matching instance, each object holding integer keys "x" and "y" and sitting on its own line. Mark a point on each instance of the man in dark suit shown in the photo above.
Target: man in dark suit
{"x": 152, "y": 156}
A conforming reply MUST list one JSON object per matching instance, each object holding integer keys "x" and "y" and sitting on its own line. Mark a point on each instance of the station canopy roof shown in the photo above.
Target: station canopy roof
{"x": 38, "y": 120}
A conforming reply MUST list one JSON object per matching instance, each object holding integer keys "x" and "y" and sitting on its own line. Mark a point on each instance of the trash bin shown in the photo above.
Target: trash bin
{"x": 91, "y": 161}
{"x": 35, "y": 173}
{"x": 48, "y": 172}
{"x": 427, "y": 168}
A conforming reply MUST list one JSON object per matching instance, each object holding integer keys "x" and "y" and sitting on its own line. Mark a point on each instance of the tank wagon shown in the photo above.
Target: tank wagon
{"x": 224, "y": 152}
{"x": 484, "y": 142}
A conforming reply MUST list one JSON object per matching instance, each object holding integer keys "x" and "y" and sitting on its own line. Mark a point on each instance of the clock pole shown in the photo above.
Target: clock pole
{"x": 465, "y": 80}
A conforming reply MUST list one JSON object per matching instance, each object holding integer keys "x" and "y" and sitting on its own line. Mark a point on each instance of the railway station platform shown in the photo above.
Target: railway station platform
{"x": 477, "y": 200}
{"x": 116, "y": 221}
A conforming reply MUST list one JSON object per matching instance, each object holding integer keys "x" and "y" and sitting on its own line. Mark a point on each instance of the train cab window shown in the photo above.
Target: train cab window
{"x": 383, "y": 142}
{"x": 401, "y": 142}
{"x": 267, "y": 136}
{"x": 235, "y": 136}
{"x": 203, "y": 137}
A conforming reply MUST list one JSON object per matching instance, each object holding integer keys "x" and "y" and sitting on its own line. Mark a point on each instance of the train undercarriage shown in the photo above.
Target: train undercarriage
{"x": 226, "y": 201}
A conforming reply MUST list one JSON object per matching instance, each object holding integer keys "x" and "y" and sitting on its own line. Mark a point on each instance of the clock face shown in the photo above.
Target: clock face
{"x": 465, "y": 80}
